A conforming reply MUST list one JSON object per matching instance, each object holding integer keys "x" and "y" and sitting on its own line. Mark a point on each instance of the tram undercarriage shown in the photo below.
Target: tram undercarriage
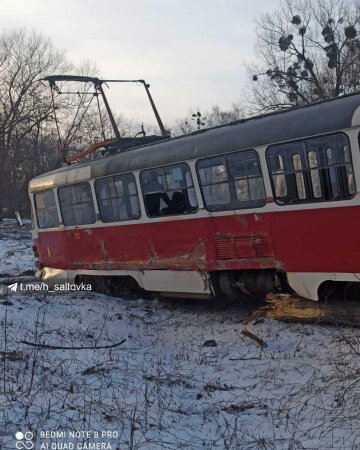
{"x": 229, "y": 285}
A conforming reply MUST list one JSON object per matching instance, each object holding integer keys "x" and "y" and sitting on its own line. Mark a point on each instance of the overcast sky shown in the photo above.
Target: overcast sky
{"x": 192, "y": 52}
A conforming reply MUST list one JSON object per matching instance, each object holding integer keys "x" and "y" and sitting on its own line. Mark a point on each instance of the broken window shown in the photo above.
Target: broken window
{"x": 168, "y": 190}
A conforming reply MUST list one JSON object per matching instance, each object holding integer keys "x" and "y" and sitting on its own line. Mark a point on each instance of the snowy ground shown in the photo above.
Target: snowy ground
{"x": 163, "y": 388}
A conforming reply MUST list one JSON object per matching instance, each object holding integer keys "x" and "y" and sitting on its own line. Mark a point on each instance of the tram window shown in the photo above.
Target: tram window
{"x": 334, "y": 180}
{"x": 245, "y": 173}
{"x": 46, "y": 212}
{"x": 191, "y": 191}
{"x": 117, "y": 198}
{"x": 214, "y": 182}
{"x": 350, "y": 179}
{"x": 232, "y": 181}
{"x": 314, "y": 174}
{"x": 288, "y": 166}
{"x": 76, "y": 204}
{"x": 278, "y": 175}
{"x": 349, "y": 170}
{"x": 334, "y": 166}
{"x": 318, "y": 169}
{"x": 168, "y": 191}
{"x": 299, "y": 176}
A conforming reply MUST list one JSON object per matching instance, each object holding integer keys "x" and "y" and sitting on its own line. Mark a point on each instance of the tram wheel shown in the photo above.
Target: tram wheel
{"x": 226, "y": 285}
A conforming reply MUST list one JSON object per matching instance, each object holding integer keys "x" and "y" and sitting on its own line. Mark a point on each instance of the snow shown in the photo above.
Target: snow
{"x": 162, "y": 388}
{"x": 16, "y": 256}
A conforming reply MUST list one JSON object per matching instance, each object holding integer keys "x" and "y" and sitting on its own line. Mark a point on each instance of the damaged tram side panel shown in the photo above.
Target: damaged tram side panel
{"x": 241, "y": 209}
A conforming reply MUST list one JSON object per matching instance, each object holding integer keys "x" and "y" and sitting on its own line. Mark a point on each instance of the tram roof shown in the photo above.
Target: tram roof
{"x": 312, "y": 119}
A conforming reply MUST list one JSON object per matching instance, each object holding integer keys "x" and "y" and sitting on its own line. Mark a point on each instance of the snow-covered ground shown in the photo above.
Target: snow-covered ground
{"x": 163, "y": 388}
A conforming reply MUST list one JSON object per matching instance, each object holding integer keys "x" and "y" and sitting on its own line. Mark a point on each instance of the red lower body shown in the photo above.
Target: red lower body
{"x": 318, "y": 240}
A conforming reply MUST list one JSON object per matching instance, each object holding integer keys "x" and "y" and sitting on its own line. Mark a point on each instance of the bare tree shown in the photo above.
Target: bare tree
{"x": 217, "y": 116}
{"x": 39, "y": 127}
{"x": 25, "y": 57}
{"x": 212, "y": 118}
{"x": 308, "y": 50}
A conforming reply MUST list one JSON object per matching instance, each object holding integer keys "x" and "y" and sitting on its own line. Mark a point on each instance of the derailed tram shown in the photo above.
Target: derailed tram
{"x": 264, "y": 204}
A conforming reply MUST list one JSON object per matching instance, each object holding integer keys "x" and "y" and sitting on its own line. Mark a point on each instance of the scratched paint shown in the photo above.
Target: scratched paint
{"x": 301, "y": 241}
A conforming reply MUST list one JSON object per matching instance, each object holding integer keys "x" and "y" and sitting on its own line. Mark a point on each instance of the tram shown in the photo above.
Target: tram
{"x": 269, "y": 203}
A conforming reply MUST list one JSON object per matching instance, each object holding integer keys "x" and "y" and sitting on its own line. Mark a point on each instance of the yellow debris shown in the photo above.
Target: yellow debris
{"x": 284, "y": 307}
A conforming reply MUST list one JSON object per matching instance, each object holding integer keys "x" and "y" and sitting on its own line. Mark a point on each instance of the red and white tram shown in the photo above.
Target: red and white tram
{"x": 261, "y": 204}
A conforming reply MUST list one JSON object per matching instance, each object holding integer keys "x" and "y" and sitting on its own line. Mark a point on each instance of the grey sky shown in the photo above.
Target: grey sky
{"x": 191, "y": 52}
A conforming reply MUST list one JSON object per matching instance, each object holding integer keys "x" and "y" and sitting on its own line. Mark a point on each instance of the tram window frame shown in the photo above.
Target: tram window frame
{"x": 157, "y": 201}
{"x": 232, "y": 178}
{"x": 129, "y": 178}
{"x": 319, "y": 169}
{"x": 46, "y": 209}
{"x": 70, "y": 205}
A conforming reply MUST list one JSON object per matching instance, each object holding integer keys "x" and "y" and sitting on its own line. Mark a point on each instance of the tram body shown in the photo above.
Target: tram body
{"x": 262, "y": 204}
